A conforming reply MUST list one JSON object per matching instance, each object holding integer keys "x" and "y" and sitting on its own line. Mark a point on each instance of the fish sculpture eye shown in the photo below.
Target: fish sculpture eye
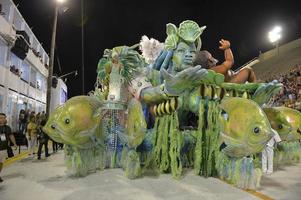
{"x": 67, "y": 121}
{"x": 256, "y": 130}
{"x": 53, "y": 126}
{"x": 280, "y": 126}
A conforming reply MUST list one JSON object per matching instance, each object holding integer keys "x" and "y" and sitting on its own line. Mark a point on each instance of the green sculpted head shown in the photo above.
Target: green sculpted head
{"x": 183, "y": 56}
{"x": 188, "y": 32}
{"x": 184, "y": 42}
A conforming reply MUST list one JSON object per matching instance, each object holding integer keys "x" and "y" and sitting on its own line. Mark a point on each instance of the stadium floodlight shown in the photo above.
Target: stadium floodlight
{"x": 274, "y": 35}
{"x": 60, "y": 1}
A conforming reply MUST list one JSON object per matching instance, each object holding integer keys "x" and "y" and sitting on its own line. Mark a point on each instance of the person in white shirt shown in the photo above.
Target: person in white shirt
{"x": 268, "y": 154}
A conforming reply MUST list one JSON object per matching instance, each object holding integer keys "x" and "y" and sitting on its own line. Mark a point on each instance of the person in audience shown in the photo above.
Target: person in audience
{"x": 22, "y": 121}
{"x": 32, "y": 131}
{"x": 5, "y": 136}
{"x": 43, "y": 140}
{"x": 290, "y": 94}
{"x": 54, "y": 146}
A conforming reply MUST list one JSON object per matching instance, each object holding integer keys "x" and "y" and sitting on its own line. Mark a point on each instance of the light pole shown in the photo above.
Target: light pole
{"x": 274, "y": 36}
{"x": 51, "y": 61}
{"x": 83, "y": 47}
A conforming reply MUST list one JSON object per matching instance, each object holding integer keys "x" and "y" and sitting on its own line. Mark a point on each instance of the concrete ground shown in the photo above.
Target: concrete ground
{"x": 283, "y": 184}
{"x": 46, "y": 179}
{"x": 30, "y": 179}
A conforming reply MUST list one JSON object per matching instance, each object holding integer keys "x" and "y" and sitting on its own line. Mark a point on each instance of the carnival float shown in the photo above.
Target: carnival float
{"x": 164, "y": 115}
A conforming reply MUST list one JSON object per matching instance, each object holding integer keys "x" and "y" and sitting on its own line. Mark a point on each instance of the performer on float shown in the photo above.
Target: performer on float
{"x": 206, "y": 60}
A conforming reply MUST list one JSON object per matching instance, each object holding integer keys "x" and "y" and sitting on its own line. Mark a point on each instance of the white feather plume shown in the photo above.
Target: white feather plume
{"x": 150, "y": 48}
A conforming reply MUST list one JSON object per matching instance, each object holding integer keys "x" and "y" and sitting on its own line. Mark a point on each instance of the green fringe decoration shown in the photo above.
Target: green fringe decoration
{"x": 199, "y": 139}
{"x": 124, "y": 154}
{"x": 132, "y": 165}
{"x": 176, "y": 144}
{"x": 168, "y": 142}
{"x": 113, "y": 160}
{"x": 240, "y": 172}
{"x": 81, "y": 162}
{"x": 147, "y": 159}
{"x": 287, "y": 153}
{"x": 188, "y": 157}
{"x": 207, "y": 138}
{"x": 257, "y": 160}
{"x": 161, "y": 144}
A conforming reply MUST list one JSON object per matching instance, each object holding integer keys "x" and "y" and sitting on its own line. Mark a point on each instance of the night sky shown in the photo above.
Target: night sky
{"x": 110, "y": 23}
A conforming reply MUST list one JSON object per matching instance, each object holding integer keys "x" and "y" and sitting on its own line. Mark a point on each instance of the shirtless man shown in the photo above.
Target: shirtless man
{"x": 207, "y": 61}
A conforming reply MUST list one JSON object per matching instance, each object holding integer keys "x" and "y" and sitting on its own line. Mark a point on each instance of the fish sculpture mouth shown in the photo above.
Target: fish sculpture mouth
{"x": 71, "y": 139}
{"x": 236, "y": 148}
{"x": 228, "y": 138}
{"x": 56, "y": 137}
{"x": 299, "y": 131}
{"x": 60, "y": 132}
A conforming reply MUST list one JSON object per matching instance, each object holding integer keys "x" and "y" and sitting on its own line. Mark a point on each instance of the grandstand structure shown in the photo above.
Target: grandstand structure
{"x": 278, "y": 61}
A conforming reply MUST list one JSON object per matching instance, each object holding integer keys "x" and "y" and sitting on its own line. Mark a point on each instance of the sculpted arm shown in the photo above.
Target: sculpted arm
{"x": 173, "y": 85}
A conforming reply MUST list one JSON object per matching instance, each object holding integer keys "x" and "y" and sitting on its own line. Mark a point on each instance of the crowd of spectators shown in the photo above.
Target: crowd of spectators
{"x": 290, "y": 95}
{"x": 30, "y": 125}
{"x": 24, "y": 118}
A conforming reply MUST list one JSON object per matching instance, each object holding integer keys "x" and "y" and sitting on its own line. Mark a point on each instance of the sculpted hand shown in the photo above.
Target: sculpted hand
{"x": 186, "y": 79}
{"x": 163, "y": 59}
{"x": 265, "y": 92}
{"x": 224, "y": 44}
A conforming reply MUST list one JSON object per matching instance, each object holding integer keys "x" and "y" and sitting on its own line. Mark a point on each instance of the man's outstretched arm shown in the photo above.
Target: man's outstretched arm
{"x": 229, "y": 59}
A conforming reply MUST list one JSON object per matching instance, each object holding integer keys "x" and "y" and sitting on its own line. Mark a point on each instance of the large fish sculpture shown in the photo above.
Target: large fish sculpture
{"x": 245, "y": 129}
{"x": 77, "y": 122}
{"x": 286, "y": 121}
